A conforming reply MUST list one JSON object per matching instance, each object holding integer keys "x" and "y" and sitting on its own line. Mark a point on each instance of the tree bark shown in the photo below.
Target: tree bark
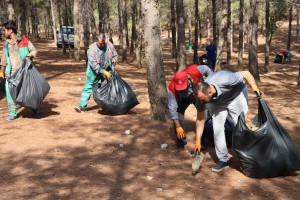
{"x": 156, "y": 78}
{"x": 77, "y": 29}
{"x": 173, "y": 28}
{"x": 222, "y": 33}
{"x": 139, "y": 38}
{"x": 298, "y": 14}
{"x": 181, "y": 51}
{"x": 288, "y": 46}
{"x": 92, "y": 21}
{"x": 196, "y": 33}
{"x": 133, "y": 26}
{"x": 214, "y": 9}
{"x": 241, "y": 35}
{"x": 53, "y": 22}
{"x": 229, "y": 32}
{"x": 253, "y": 26}
{"x": 120, "y": 18}
{"x": 23, "y": 17}
{"x": 60, "y": 27}
{"x": 124, "y": 31}
{"x": 267, "y": 36}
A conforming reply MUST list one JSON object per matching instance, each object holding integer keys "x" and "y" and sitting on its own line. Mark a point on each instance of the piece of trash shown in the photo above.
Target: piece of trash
{"x": 159, "y": 189}
{"x": 163, "y": 146}
{"x": 127, "y": 132}
{"x": 121, "y": 145}
{"x": 197, "y": 162}
{"x": 149, "y": 178}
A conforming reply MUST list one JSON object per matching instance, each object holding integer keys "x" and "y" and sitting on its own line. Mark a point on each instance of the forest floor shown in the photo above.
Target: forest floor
{"x": 69, "y": 155}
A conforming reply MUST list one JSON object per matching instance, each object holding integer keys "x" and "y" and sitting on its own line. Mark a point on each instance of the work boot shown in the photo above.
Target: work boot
{"x": 10, "y": 118}
{"x": 220, "y": 166}
{"x": 36, "y": 113}
{"x": 181, "y": 143}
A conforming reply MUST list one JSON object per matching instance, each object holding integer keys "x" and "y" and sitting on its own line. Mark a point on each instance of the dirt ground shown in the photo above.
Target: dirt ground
{"x": 67, "y": 155}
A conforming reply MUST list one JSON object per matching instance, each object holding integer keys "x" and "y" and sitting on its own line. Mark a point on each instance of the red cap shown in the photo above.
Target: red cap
{"x": 181, "y": 80}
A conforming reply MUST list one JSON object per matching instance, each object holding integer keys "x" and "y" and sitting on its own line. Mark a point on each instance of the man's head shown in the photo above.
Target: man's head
{"x": 203, "y": 92}
{"x": 181, "y": 81}
{"x": 9, "y": 28}
{"x": 101, "y": 41}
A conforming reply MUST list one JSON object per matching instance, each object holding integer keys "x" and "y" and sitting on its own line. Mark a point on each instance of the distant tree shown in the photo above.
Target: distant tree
{"x": 173, "y": 29}
{"x": 214, "y": 16}
{"x": 124, "y": 31}
{"x": 298, "y": 14}
{"x": 139, "y": 37}
{"x": 267, "y": 36}
{"x": 77, "y": 28}
{"x": 181, "y": 50}
{"x": 196, "y": 32}
{"x": 222, "y": 33}
{"x": 253, "y": 26}
{"x": 10, "y": 10}
{"x": 229, "y": 32}
{"x": 241, "y": 35}
{"x": 156, "y": 79}
{"x": 288, "y": 46}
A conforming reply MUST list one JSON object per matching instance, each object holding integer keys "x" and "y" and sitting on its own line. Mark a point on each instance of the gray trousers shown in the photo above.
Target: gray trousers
{"x": 219, "y": 113}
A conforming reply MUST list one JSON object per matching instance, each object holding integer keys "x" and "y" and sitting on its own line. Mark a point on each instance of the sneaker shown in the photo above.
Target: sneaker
{"x": 10, "y": 118}
{"x": 36, "y": 114}
{"x": 220, "y": 166}
{"x": 79, "y": 109}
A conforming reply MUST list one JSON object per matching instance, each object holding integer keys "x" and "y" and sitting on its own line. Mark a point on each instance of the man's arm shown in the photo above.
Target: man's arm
{"x": 32, "y": 50}
{"x": 93, "y": 62}
{"x": 199, "y": 130}
{"x": 249, "y": 79}
{"x": 115, "y": 54}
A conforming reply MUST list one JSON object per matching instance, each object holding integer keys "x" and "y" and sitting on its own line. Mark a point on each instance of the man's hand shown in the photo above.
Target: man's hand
{"x": 2, "y": 75}
{"x": 257, "y": 91}
{"x": 114, "y": 62}
{"x": 180, "y": 132}
{"x": 197, "y": 147}
{"x": 107, "y": 74}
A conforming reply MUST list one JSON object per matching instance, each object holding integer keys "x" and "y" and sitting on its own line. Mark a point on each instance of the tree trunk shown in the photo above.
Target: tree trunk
{"x": 101, "y": 15}
{"x": 189, "y": 27}
{"x": 298, "y": 14}
{"x": 67, "y": 24}
{"x": 267, "y": 36}
{"x": 241, "y": 35}
{"x": 92, "y": 20}
{"x": 229, "y": 32}
{"x": 133, "y": 26}
{"x": 156, "y": 78}
{"x": 253, "y": 26}
{"x": 60, "y": 27}
{"x": 214, "y": 9}
{"x": 139, "y": 39}
{"x": 23, "y": 17}
{"x": 77, "y": 29}
{"x": 124, "y": 31}
{"x": 288, "y": 46}
{"x": 196, "y": 33}
{"x": 299, "y": 75}
{"x": 53, "y": 21}
{"x": 120, "y": 18}
{"x": 222, "y": 33}
{"x": 181, "y": 51}
{"x": 173, "y": 28}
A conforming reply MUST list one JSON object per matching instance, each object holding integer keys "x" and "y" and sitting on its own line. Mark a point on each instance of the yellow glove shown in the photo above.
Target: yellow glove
{"x": 257, "y": 91}
{"x": 107, "y": 74}
{"x": 114, "y": 62}
{"x": 197, "y": 147}
{"x": 180, "y": 133}
{"x": 2, "y": 74}
{"x": 30, "y": 56}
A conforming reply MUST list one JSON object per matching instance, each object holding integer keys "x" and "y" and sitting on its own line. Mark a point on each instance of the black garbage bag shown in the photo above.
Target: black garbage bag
{"x": 114, "y": 97}
{"x": 278, "y": 58}
{"x": 27, "y": 86}
{"x": 268, "y": 151}
{"x": 2, "y": 85}
{"x": 208, "y": 131}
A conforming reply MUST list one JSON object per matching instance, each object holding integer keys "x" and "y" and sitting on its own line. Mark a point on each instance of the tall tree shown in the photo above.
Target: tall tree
{"x": 101, "y": 16}
{"x": 196, "y": 32}
{"x": 241, "y": 35}
{"x": 181, "y": 51}
{"x": 156, "y": 78}
{"x": 120, "y": 19}
{"x": 133, "y": 25}
{"x": 60, "y": 27}
{"x": 139, "y": 37}
{"x": 53, "y": 21}
{"x": 173, "y": 29}
{"x": 267, "y": 36}
{"x": 288, "y": 46}
{"x": 77, "y": 29}
{"x": 92, "y": 20}
{"x": 229, "y": 32}
{"x": 253, "y": 26}
{"x": 214, "y": 14}
{"x": 222, "y": 33}
{"x": 23, "y": 17}
{"x": 124, "y": 30}
{"x": 298, "y": 15}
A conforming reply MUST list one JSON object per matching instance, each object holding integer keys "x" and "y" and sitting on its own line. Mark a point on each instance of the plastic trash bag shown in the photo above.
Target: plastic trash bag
{"x": 27, "y": 86}
{"x": 267, "y": 151}
{"x": 208, "y": 131}
{"x": 115, "y": 97}
{"x": 2, "y": 85}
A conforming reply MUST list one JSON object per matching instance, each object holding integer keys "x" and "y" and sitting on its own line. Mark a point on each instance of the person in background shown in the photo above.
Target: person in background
{"x": 15, "y": 49}
{"x": 211, "y": 54}
{"x": 180, "y": 96}
{"x": 225, "y": 94}
{"x": 102, "y": 58}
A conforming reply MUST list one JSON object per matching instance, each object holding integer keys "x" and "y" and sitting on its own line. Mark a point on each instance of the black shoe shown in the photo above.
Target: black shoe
{"x": 220, "y": 166}
{"x": 79, "y": 109}
{"x": 181, "y": 143}
{"x": 36, "y": 114}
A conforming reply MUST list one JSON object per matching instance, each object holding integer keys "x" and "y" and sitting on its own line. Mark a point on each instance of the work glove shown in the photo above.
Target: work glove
{"x": 180, "y": 133}
{"x": 197, "y": 147}
{"x": 257, "y": 91}
{"x": 107, "y": 74}
{"x": 114, "y": 62}
{"x": 2, "y": 74}
{"x": 29, "y": 56}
